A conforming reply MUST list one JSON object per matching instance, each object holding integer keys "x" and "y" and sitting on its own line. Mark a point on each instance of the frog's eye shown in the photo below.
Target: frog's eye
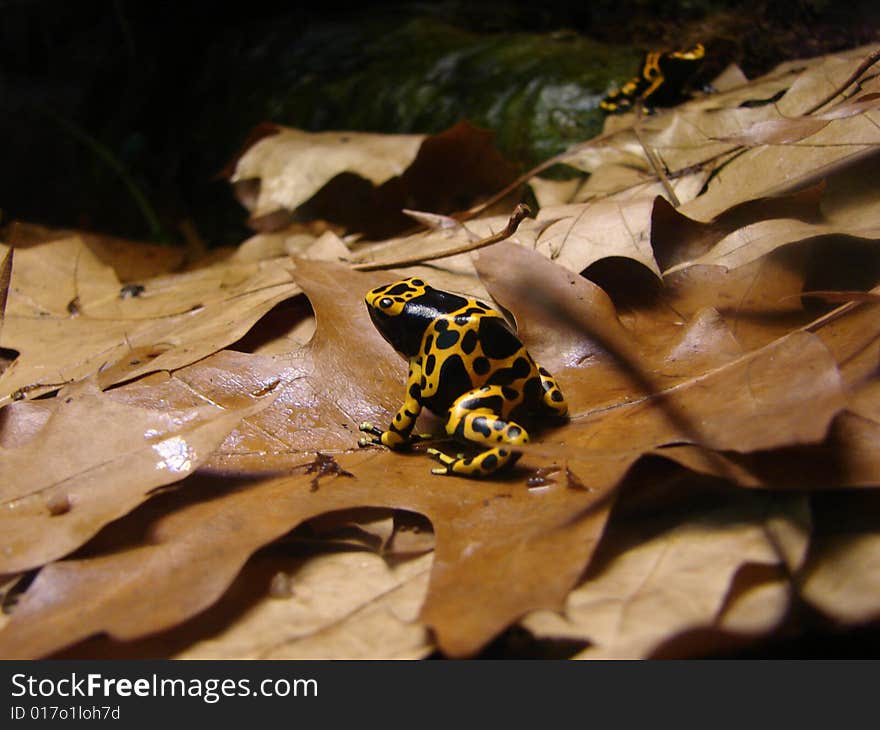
{"x": 385, "y": 302}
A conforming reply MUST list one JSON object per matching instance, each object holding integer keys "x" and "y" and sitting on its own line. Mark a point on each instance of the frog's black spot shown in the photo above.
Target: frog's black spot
{"x": 497, "y": 339}
{"x": 414, "y": 390}
{"x": 533, "y": 391}
{"x": 481, "y": 365}
{"x": 490, "y": 462}
{"x": 447, "y": 339}
{"x": 498, "y": 425}
{"x": 453, "y": 379}
{"x": 430, "y": 362}
{"x": 556, "y": 396}
{"x": 429, "y": 343}
{"x": 544, "y": 372}
{"x": 441, "y": 325}
{"x": 423, "y": 382}
{"x": 400, "y": 300}
{"x": 510, "y": 393}
{"x": 417, "y": 282}
{"x": 397, "y": 418}
{"x": 521, "y": 367}
{"x": 481, "y": 425}
{"x": 469, "y": 342}
{"x": 513, "y": 431}
{"x": 504, "y": 376}
{"x": 503, "y": 452}
{"x": 397, "y": 289}
{"x": 492, "y": 403}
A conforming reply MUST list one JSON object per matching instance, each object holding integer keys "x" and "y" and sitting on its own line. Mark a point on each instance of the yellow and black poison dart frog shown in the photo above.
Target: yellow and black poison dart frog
{"x": 465, "y": 363}
{"x": 660, "y": 81}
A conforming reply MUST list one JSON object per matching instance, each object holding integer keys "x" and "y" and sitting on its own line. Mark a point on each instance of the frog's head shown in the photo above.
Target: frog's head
{"x": 396, "y": 314}
{"x": 403, "y": 310}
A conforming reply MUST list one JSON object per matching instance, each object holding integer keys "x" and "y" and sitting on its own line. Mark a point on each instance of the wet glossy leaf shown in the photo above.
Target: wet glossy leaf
{"x": 60, "y": 484}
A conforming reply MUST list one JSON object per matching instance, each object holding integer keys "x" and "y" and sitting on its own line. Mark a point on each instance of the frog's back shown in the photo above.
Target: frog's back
{"x": 474, "y": 347}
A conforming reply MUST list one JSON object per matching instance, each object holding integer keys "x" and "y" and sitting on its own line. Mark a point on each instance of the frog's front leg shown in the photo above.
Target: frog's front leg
{"x": 474, "y": 417}
{"x": 399, "y": 432}
{"x": 553, "y": 398}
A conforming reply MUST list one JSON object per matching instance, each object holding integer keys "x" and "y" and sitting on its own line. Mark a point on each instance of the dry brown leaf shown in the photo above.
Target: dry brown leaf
{"x": 756, "y": 240}
{"x": 615, "y": 221}
{"x": 663, "y": 390}
{"x": 554, "y": 192}
{"x": 665, "y": 574}
{"x": 5, "y": 277}
{"x": 20, "y": 421}
{"x": 732, "y": 77}
{"x": 702, "y": 134}
{"x": 93, "y": 460}
{"x": 847, "y": 457}
{"x": 469, "y": 570}
{"x": 770, "y": 169}
{"x": 341, "y": 606}
{"x": 293, "y": 165}
{"x": 362, "y": 181}
{"x": 131, "y": 261}
{"x": 478, "y": 558}
{"x": 367, "y": 529}
{"x": 676, "y": 238}
{"x": 841, "y": 577}
{"x": 330, "y": 605}
{"x": 68, "y": 320}
{"x": 788, "y": 130}
{"x": 582, "y": 234}
{"x": 696, "y": 134}
{"x": 433, "y": 246}
{"x": 476, "y": 564}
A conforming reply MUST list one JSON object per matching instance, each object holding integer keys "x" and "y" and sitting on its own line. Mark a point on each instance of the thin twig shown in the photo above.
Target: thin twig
{"x": 537, "y": 170}
{"x": 521, "y": 211}
{"x": 863, "y": 66}
{"x": 652, "y": 159}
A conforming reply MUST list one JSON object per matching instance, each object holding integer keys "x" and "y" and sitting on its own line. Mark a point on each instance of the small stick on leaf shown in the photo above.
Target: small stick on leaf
{"x": 652, "y": 159}
{"x": 519, "y": 213}
{"x": 863, "y": 66}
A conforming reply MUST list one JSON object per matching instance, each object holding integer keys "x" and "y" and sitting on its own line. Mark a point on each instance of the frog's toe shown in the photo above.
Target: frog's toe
{"x": 440, "y": 456}
{"x": 368, "y": 427}
{"x": 446, "y": 461}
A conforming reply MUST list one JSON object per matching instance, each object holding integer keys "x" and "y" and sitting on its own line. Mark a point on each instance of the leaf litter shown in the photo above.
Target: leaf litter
{"x": 677, "y": 512}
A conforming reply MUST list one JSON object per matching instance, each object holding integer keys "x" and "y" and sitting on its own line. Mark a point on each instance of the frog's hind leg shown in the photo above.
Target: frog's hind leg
{"x": 473, "y": 417}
